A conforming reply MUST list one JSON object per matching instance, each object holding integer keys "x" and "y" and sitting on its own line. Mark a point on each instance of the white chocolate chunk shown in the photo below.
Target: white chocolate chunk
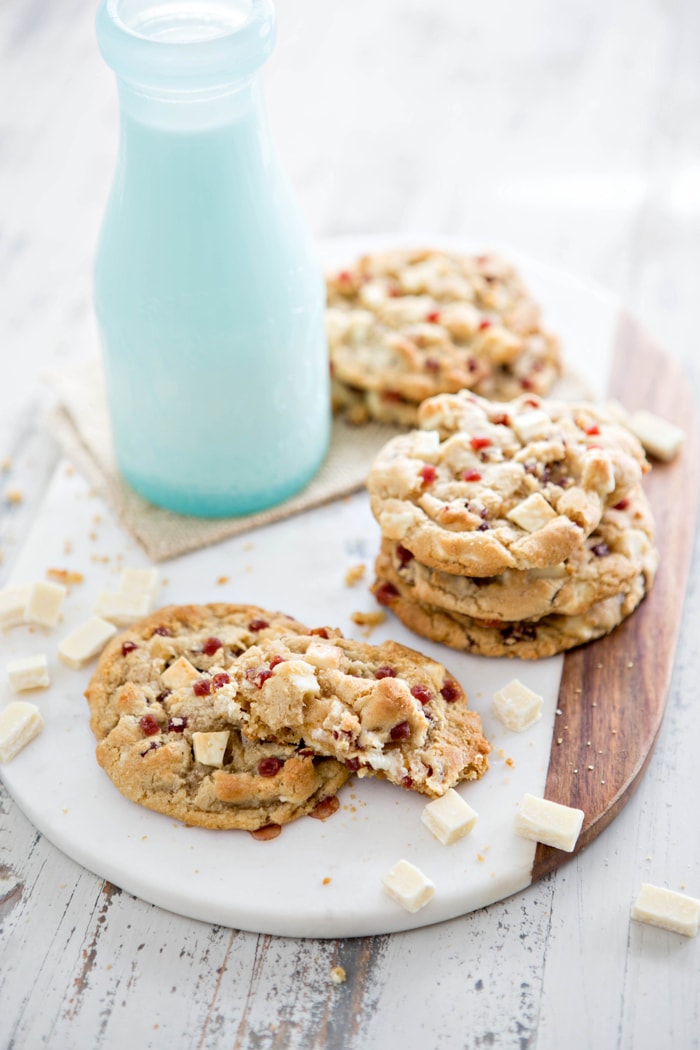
{"x": 179, "y": 674}
{"x": 516, "y": 706}
{"x": 20, "y": 722}
{"x": 533, "y": 513}
{"x": 298, "y": 675}
{"x": 657, "y": 906}
{"x": 85, "y": 642}
{"x": 407, "y": 885}
{"x": 13, "y": 605}
{"x": 45, "y": 601}
{"x": 529, "y": 425}
{"x": 449, "y": 817}
{"x": 540, "y": 820}
{"x": 658, "y": 437}
{"x": 29, "y": 672}
{"x": 209, "y": 748}
{"x": 550, "y": 572}
{"x": 139, "y": 581}
{"x": 122, "y": 607}
{"x": 323, "y": 654}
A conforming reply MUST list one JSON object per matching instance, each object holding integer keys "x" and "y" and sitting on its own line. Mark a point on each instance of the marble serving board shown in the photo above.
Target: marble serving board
{"x": 602, "y": 704}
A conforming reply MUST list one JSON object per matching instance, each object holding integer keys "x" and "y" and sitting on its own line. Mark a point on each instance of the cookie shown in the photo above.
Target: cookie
{"x": 164, "y": 728}
{"x": 205, "y": 635}
{"x": 527, "y": 639}
{"x": 406, "y": 325}
{"x": 257, "y": 784}
{"x": 606, "y": 563}
{"x": 382, "y": 710}
{"x": 487, "y": 486}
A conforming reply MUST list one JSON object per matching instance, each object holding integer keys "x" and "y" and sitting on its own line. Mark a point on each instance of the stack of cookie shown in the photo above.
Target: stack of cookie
{"x": 512, "y": 528}
{"x": 229, "y": 716}
{"x": 407, "y": 325}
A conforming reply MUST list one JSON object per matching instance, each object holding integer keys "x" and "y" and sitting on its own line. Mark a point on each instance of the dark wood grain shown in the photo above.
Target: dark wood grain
{"x": 613, "y": 692}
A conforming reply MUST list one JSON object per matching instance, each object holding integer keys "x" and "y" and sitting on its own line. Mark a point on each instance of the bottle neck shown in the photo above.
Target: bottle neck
{"x": 194, "y": 109}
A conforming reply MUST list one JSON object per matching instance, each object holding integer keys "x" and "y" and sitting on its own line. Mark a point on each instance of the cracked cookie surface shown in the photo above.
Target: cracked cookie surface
{"x": 487, "y": 486}
{"x": 382, "y": 710}
{"x": 161, "y": 713}
{"x": 607, "y": 562}
{"x": 406, "y": 325}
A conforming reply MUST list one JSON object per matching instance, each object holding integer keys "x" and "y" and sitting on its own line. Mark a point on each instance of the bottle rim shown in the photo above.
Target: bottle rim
{"x": 231, "y": 55}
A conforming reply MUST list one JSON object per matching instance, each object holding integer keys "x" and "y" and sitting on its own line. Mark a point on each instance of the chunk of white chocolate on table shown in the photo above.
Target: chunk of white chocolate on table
{"x": 139, "y": 581}
{"x": 658, "y": 436}
{"x": 45, "y": 602}
{"x": 516, "y": 706}
{"x": 85, "y": 642}
{"x": 209, "y": 748}
{"x": 407, "y": 885}
{"x": 551, "y": 823}
{"x": 13, "y": 605}
{"x": 179, "y": 674}
{"x": 20, "y": 722}
{"x": 668, "y": 909}
{"x": 449, "y": 817}
{"x": 533, "y": 513}
{"x": 122, "y": 607}
{"x": 29, "y": 672}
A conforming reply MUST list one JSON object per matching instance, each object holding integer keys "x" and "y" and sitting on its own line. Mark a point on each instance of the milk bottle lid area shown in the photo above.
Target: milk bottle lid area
{"x": 155, "y": 43}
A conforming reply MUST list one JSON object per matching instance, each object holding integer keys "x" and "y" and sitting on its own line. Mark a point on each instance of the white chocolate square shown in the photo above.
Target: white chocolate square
{"x": 139, "y": 581}
{"x": 529, "y": 425}
{"x": 668, "y": 909}
{"x": 85, "y": 642}
{"x": 323, "y": 654}
{"x": 516, "y": 706}
{"x": 298, "y": 676}
{"x": 659, "y": 437}
{"x": 29, "y": 672}
{"x": 551, "y": 823}
{"x": 179, "y": 674}
{"x": 449, "y": 817}
{"x": 533, "y": 513}
{"x": 20, "y": 722}
{"x": 13, "y": 605}
{"x": 407, "y": 885}
{"x": 45, "y": 601}
{"x": 122, "y": 607}
{"x": 209, "y": 748}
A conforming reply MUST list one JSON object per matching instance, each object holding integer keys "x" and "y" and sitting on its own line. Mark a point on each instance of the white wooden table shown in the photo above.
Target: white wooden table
{"x": 572, "y": 132}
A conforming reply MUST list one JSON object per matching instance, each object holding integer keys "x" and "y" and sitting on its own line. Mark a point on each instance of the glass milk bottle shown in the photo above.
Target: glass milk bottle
{"x": 208, "y": 294}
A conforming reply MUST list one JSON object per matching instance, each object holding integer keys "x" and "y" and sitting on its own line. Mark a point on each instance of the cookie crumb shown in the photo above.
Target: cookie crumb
{"x": 370, "y": 620}
{"x": 65, "y": 576}
{"x": 338, "y": 975}
{"x": 222, "y": 580}
{"x": 326, "y": 881}
{"x": 13, "y": 496}
{"x": 5, "y": 464}
{"x": 355, "y": 574}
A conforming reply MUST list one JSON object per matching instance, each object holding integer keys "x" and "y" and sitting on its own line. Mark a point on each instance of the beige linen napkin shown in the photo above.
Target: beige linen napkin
{"x": 80, "y": 423}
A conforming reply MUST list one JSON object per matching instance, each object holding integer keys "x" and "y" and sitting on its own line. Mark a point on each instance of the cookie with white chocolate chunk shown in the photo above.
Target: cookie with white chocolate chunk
{"x": 527, "y": 639}
{"x": 169, "y": 738}
{"x": 408, "y": 324}
{"x": 483, "y": 486}
{"x": 605, "y": 563}
{"x": 383, "y": 710}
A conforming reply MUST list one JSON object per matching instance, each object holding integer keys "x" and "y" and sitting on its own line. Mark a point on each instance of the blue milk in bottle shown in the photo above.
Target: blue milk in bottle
{"x": 208, "y": 294}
